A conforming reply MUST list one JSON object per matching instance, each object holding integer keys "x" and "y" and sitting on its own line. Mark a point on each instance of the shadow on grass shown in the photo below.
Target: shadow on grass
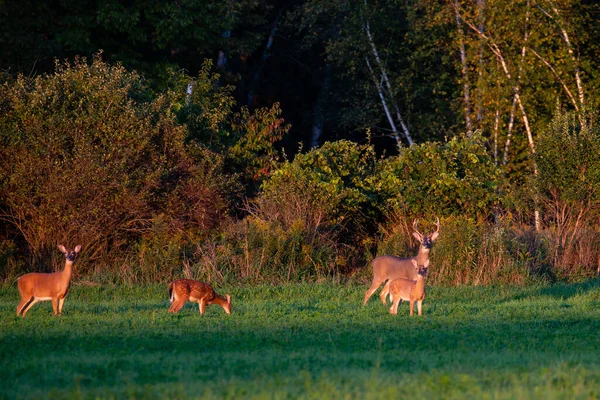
{"x": 568, "y": 290}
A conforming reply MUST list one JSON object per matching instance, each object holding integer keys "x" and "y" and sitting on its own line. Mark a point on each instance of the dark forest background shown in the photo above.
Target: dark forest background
{"x": 295, "y": 140}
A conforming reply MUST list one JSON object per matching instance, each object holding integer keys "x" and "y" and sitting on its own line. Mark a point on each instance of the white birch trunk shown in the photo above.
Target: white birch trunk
{"x": 517, "y": 97}
{"x": 384, "y": 75}
{"x": 496, "y": 127}
{"x": 572, "y": 54}
{"x": 464, "y": 71}
{"x": 385, "y": 105}
{"x": 511, "y": 123}
{"x": 189, "y": 91}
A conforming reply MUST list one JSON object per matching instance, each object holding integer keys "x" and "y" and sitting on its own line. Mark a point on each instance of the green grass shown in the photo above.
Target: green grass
{"x": 306, "y": 341}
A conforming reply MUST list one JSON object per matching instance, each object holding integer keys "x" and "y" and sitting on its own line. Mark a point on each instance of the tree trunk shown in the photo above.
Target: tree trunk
{"x": 384, "y": 104}
{"x": 319, "y": 109}
{"x": 464, "y": 72}
{"x": 265, "y": 56}
{"x": 384, "y": 75}
{"x": 516, "y": 89}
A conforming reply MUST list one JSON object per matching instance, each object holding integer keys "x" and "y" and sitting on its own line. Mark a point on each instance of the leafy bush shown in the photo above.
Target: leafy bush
{"x": 568, "y": 190}
{"x": 441, "y": 179}
{"x": 88, "y": 156}
{"x": 245, "y": 138}
{"x": 329, "y": 188}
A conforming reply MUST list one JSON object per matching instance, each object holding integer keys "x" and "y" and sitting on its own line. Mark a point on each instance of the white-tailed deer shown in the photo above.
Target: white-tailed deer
{"x": 36, "y": 287}
{"x": 391, "y": 267}
{"x": 183, "y": 290}
{"x": 407, "y": 290}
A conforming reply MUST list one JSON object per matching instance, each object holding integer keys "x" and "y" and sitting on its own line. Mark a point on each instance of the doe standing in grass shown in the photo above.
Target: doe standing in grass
{"x": 387, "y": 268}
{"x": 183, "y": 290}
{"x": 36, "y": 287}
{"x": 408, "y": 290}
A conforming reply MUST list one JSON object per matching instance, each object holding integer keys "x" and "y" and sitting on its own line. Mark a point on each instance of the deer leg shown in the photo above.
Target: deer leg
{"x": 176, "y": 306}
{"x": 55, "y": 305}
{"x": 419, "y": 306}
{"x": 384, "y": 293}
{"x": 202, "y": 306}
{"x": 27, "y": 307}
{"x": 61, "y": 302}
{"x": 376, "y": 283}
{"x": 178, "y": 303}
{"x": 394, "y": 307}
{"x": 23, "y": 304}
{"x": 412, "y": 306}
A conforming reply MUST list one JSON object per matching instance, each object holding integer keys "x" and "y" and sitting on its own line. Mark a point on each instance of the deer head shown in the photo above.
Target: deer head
{"x": 421, "y": 269}
{"x": 69, "y": 254}
{"x": 426, "y": 240}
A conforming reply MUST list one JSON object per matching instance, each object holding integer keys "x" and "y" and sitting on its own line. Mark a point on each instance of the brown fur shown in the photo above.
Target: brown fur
{"x": 183, "y": 290}
{"x": 36, "y": 287}
{"x": 388, "y": 268}
{"x": 409, "y": 290}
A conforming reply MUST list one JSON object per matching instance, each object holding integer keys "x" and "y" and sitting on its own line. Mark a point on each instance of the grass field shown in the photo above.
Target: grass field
{"x": 306, "y": 341}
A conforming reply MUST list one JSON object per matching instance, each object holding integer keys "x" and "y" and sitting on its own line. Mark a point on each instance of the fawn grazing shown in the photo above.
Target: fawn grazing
{"x": 408, "y": 290}
{"x": 388, "y": 268}
{"x": 36, "y": 287}
{"x": 183, "y": 290}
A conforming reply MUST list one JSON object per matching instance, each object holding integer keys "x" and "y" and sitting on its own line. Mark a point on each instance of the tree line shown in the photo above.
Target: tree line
{"x": 297, "y": 140}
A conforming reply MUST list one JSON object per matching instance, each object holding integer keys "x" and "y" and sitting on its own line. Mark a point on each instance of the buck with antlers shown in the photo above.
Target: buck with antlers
{"x": 183, "y": 290}
{"x": 36, "y": 287}
{"x": 388, "y": 268}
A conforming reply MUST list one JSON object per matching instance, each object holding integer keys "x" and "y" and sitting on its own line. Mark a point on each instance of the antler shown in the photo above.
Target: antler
{"x": 437, "y": 224}
{"x": 415, "y": 223}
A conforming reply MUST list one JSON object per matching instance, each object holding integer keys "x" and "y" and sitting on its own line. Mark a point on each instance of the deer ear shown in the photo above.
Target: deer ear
{"x": 426, "y": 264}
{"x": 418, "y": 236}
{"x": 62, "y": 248}
{"x": 78, "y": 248}
{"x": 414, "y": 262}
{"x": 434, "y": 236}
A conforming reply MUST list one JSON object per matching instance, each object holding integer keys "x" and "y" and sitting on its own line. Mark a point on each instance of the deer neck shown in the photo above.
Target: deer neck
{"x": 67, "y": 272}
{"x": 422, "y": 255}
{"x": 419, "y": 286}
{"x": 220, "y": 300}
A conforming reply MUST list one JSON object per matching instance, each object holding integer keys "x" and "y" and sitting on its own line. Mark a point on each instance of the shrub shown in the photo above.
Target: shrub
{"x": 89, "y": 156}
{"x": 329, "y": 188}
{"x": 568, "y": 191}
{"x": 441, "y": 179}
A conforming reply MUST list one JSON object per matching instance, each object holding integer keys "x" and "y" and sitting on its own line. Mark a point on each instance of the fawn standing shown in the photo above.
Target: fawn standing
{"x": 407, "y": 290}
{"x": 183, "y": 290}
{"x": 36, "y": 287}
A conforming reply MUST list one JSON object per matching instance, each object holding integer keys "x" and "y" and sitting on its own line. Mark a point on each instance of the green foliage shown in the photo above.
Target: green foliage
{"x": 567, "y": 188}
{"x": 87, "y": 156}
{"x": 326, "y": 188}
{"x": 305, "y": 341}
{"x": 245, "y": 138}
{"x": 208, "y": 109}
{"x": 254, "y": 153}
{"x": 568, "y": 160}
{"x": 150, "y": 37}
{"x": 440, "y": 179}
